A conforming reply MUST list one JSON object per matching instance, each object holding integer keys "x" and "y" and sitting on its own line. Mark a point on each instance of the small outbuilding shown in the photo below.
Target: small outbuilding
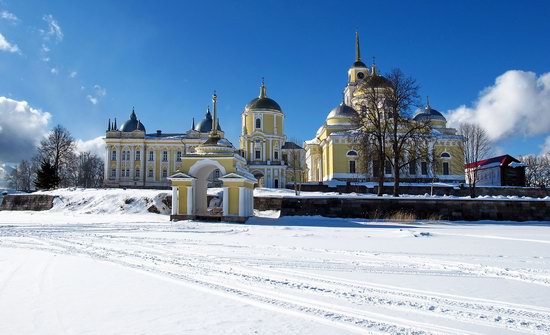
{"x": 502, "y": 170}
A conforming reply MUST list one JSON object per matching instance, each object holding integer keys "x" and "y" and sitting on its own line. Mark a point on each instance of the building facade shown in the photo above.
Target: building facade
{"x": 135, "y": 158}
{"x": 334, "y": 153}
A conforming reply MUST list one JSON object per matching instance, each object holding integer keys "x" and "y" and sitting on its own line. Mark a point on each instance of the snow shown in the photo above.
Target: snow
{"x": 63, "y": 271}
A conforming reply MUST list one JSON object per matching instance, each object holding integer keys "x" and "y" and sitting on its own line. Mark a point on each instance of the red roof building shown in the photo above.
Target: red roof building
{"x": 502, "y": 170}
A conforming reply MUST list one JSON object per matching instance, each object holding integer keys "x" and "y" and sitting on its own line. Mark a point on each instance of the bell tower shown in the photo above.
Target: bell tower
{"x": 356, "y": 73}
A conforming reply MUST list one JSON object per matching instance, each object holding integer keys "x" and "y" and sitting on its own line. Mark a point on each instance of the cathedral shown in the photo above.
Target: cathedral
{"x": 136, "y": 158}
{"x": 334, "y": 152}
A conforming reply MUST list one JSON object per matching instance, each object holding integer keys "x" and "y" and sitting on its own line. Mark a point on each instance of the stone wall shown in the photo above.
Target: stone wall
{"x": 444, "y": 209}
{"x": 27, "y": 202}
{"x": 531, "y": 192}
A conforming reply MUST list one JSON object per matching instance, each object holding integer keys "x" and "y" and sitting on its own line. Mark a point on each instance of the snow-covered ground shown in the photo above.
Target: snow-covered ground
{"x": 65, "y": 272}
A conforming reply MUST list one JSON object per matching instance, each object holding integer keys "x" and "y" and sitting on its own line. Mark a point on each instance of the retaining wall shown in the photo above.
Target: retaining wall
{"x": 27, "y": 202}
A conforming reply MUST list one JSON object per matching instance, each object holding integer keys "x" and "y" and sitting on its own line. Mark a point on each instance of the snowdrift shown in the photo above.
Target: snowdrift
{"x": 110, "y": 201}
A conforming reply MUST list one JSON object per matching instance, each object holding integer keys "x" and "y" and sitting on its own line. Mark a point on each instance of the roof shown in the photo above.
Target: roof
{"x": 342, "y": 110}
{"x": 291, "y": 145}
{"x": 504, "y": 160}
{"x": 205, "y": 125}
{"x": 377, "y": 81}
{"x": 132, "y": 124}
{"x": 263, "y": 102}
{"x": 429, "y": 114}
{"x": 358, "y": 64}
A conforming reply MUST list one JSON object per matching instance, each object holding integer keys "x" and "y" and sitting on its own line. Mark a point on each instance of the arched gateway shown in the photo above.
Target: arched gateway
{"x": 190, "y": 183}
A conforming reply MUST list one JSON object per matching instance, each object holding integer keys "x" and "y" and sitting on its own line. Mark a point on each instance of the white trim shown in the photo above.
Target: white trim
{"x": 189, "y": 200}
{"x": 175, "y": 201}
{"x": 206, "y": 162}
{"x": 225, "y": 203}
{"x": 241, "y": 201}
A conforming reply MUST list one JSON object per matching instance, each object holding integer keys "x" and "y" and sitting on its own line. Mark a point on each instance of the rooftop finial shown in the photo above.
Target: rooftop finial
{"x": 428, "y": 102}
{"x": 215, "y": 116}
{"x": 133, "y": 115}
{"x": 115, "y": 127}
{"x": 357, "y": 49}
{"x": 263, "y": 91}
{"x": 373, "y": 71}
{"x": 193, "y": 126}
{"x": 109, "y": 125}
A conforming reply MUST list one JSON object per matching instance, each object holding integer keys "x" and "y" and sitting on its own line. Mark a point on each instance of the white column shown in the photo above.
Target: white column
{"x": 241, "y": 201}
{"x": 189, "y": 200}
{"x": 107, "y": 167}
{"x": 175, "y": 201}
{"x": 118, "y": 158}
{"x": 225, "y": 201}
{"x": 142, "y": 158}
{"x": 264, "y": 154}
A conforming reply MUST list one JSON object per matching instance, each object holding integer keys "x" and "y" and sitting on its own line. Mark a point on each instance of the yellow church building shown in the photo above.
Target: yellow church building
{"x": 334, "y": 154}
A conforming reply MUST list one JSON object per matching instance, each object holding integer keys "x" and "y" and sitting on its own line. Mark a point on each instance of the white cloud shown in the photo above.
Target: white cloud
{"x": 73, "y": 74}
{"x": 54, "y": 70}
{"x": 5, "y": 15}
{"x": 22, "y": 129}
{"x": 95, "y": 146}
{"x": 7, "y": 46}
{"x": 545, "y": 148}
{"x": 99, "y": 92}
{"x": 518, "y": 104}
{"x": 53, "y": 31}
{"x": 92, "y": 99}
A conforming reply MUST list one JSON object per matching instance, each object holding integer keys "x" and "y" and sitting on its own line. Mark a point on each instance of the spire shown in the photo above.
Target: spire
{"x": 215, "y": 116}
{"x": 208, "y": 110}
{"x": 109, "y": 125}
{"x": 133, "y": 115}
{"x": 357, "y": 49}
{"x": 428, "y": 102}
{"x": 373, "y": 71}
{"x": 193, "y": 126}
{"x": 263, "y": 90}
{"x": 115, "y": 127}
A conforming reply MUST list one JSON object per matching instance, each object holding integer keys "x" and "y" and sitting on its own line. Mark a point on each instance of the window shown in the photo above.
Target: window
{"x": 387, "y": 167}
{"x": 276, "y": 155}
{"x": 164, "y": 173}
{"x": 165, "y": 156}
{"x": 137, "y": 173}
{"x": 258, "y": 123}
{"x": 258, "y": 154}
{"x": 375, "y": 168}
{"x": 445, "y": 155}
{"x": 138, "y": 155}
{"x": 127, "y": 173}
{"x": 178, "y": 156}
{"x": 285, "y": 157}
{"x": 113, "y": 173}
{"x": 446, "y": 168}
{"x": 412, "y": 168}
{"x": 352, "y": 153}
{"x": 424, "y": 168}
{"x": 150, "y": 174}
{"x": 351, "y": 166}
{"x": 276, "y": 183}
{"x": 123, "y": 155}
{"x": 151, "y": 156}
{"x": 113, "y": 155}
{"x": 216, "y": 174}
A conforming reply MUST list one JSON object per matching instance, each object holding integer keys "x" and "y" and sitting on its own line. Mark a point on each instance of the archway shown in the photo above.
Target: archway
{"x": 201, "y": 170}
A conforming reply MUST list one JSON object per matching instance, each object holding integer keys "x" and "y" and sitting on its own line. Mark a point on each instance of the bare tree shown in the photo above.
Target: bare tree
{"x": 294, "y": 155}
{"x": 59, "y": 149}
{"x": 373, "y": 126}
{"x": 407, "y": 138}
{"x": 537, "y": 172}
{"x": 475, "y": 147}
{"x": 90, "y": 170}
{"x": 22, "y": 178}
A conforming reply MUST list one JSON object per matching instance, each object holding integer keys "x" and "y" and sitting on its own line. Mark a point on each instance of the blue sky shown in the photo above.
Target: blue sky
{"x": 86, "y": 61}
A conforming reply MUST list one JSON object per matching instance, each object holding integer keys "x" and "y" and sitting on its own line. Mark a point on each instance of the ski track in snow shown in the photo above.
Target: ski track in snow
{"x": 288, "y": 285}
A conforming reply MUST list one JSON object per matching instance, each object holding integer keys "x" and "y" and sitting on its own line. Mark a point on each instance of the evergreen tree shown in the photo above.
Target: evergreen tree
{"x": 46, "y": 177}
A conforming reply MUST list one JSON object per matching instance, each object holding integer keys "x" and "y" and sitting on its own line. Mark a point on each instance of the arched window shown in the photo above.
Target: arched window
{"x": 351, "y": 153}
{"x": 258, "y": 123}
{"x": 445, "y": 155}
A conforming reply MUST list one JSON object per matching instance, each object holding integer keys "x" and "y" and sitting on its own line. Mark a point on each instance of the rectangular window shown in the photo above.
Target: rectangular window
{"x": 165, "y": 156}
{"x": 424, "y": 168}
{"x": 351, "y": 166}
{"x": 446, "y": 168}
{"x": 164, "y": 173}
{"x": 276, "y": 155}
{"x": 113, "y": 173}
{"x": 387, "y": 167}
{"x": 138, "y": 155}
{"x": 150, "y": 174}
{"x": 137, "y": 173}
{"x": 113, "y": 155}
{"x": 123, "y": 155}
{"x": 412, "y": 168}
{"x": 258, "y": 154}
{"x": 375, "y": 168}
{"x": 178, "y": 156}
{"x": 151, "y": 156}
{"x": 127, "y": 172}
